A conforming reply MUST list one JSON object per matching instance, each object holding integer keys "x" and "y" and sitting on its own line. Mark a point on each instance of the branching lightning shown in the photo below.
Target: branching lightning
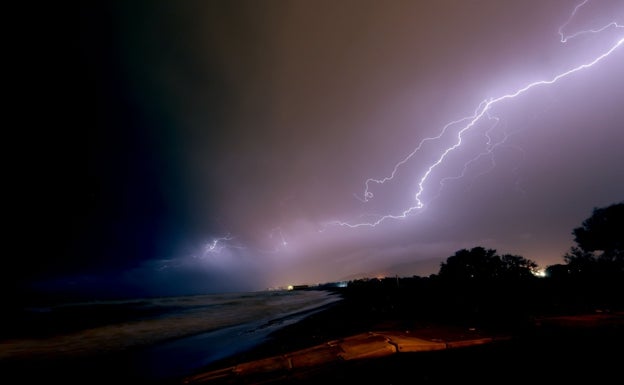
{"x": 482, "y": 111}
{"x": 456, "y": 130}
{"x": 216, "y": 245}
{"x": 565, "y": 38}
{"x": 491, "y": 147}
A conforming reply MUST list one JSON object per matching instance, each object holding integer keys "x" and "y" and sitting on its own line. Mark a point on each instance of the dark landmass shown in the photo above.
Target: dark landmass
{"x": 539, "y": 331}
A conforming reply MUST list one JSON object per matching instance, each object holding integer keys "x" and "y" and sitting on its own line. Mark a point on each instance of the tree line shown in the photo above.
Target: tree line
{"x": 478, "y": 285}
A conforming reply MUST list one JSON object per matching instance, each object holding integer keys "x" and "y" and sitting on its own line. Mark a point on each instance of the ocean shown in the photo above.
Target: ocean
{"x": 147, "y": 340}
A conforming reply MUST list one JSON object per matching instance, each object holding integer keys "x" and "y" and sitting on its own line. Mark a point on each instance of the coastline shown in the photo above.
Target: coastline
{"x": 369, "y": 339}
{"x": 172, "y": 343}
{"x": 185, "y": 355}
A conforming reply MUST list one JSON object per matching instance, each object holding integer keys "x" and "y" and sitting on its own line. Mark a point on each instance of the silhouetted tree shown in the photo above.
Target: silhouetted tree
{"x": 594, "y": 272}
{"x": 600, "y": 245}
{"x": 475, "y": 264}
{"x": 557, "y": 271}
{"x": 517, "y": 267}
{"x": 580, "y": 262}
{"x": 480, "y": 286}
{"x": 480, "y": 263}
{"x": 603, "y": 232}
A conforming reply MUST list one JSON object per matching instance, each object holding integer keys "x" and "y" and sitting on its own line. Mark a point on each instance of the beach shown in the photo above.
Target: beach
{"x": 143, "y": 340}
{"x": 384, "y": 336}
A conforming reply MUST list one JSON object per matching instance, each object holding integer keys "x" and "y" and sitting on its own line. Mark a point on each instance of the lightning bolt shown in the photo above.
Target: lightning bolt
{"x": 208, "y": 251}
{"x": 217, "y": 245}
{"x": 469, "y": 122}
{"x": 456, "y": 129}
{"x": 491, "y": 147}
{"x": 565, "y": 38}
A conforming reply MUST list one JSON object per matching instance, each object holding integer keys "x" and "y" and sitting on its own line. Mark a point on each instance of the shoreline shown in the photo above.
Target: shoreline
{"x": 39, "y": 360}
{"x": 225, "y": 343}
{"x": 342, "y": 336}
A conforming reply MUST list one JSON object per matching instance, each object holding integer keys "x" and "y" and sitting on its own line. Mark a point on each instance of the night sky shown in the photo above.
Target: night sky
{"x": 207, "y": 146}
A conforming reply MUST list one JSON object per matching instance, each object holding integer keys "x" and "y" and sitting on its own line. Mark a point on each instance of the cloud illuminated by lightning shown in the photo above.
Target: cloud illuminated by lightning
{"x": 469, "y": 122}
{"x": 280, "y": 233}
{"x": 456, "y": 129}
{"x": 216, "y": 245}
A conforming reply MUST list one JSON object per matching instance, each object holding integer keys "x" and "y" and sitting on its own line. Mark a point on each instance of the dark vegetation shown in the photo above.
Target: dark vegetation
{"x": 482, "y": 288}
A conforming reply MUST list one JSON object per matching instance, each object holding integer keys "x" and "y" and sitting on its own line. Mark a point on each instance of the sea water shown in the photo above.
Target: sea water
{"x": 156, "y": 338}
